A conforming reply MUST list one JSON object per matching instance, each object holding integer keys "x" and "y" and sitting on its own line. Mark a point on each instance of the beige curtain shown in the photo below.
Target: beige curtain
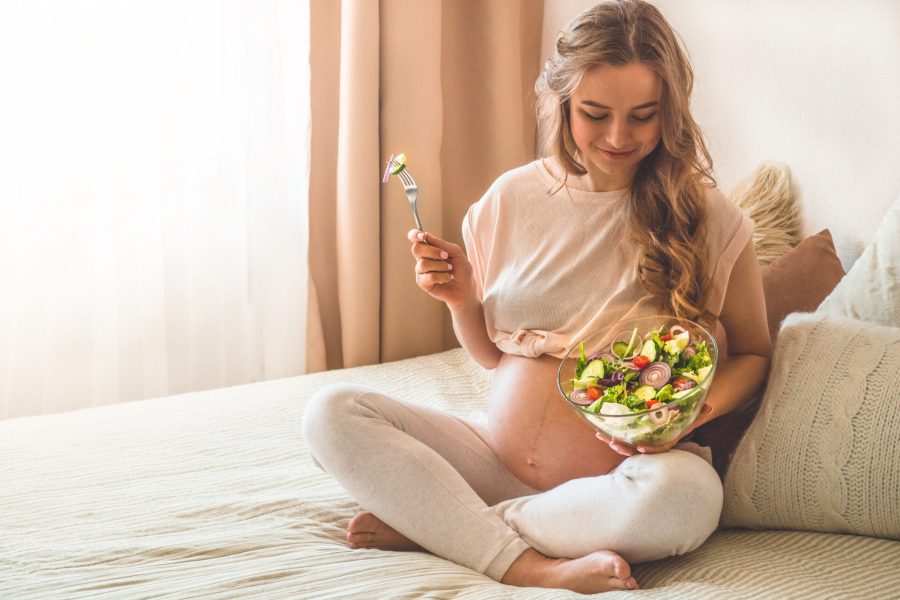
{"x": 448, "y": 82}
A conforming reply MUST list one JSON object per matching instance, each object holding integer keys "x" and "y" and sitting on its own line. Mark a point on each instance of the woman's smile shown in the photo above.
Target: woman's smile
{"x": 616, "y": 155}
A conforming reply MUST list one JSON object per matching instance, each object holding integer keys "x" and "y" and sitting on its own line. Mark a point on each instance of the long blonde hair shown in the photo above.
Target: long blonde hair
{"x": 666, "y": 210}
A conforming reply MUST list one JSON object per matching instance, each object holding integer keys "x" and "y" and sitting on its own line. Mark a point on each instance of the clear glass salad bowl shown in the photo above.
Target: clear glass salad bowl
{"x": 642, "y": 380}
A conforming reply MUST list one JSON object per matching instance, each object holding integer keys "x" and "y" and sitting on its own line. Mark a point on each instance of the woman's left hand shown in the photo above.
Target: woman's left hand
{"x": 628, "y": 450}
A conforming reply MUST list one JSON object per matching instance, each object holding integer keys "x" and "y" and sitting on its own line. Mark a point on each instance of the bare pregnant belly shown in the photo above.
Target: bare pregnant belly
{"x": 539, "y": 438}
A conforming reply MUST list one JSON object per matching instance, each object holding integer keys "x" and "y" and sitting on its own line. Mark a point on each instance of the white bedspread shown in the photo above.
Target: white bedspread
{"x": 213, "y": 494}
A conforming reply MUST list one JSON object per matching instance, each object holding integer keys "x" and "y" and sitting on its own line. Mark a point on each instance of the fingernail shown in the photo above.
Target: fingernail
{"x": 444, "y": 254}
{"x": 420, "y": 235}
{"x": 451, "y": 275}
{"x": 449, "y": 267}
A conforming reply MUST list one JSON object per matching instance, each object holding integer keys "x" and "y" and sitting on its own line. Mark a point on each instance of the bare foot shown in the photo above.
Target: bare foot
{"x": 600, "y": 571}
{"x": 368, "y": 531}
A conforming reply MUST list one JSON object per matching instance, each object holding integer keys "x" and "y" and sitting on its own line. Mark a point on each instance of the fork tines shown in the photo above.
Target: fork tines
{"x": 406, "y": 177}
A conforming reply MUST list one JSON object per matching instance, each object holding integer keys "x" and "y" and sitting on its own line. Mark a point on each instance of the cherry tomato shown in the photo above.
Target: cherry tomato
{"x": 640, "y": 361}
{"x": 593, "y": 393}
{"x": 652, "y": 403}
{"x": 665, "y": 338}
{"x": 679, "y": 382}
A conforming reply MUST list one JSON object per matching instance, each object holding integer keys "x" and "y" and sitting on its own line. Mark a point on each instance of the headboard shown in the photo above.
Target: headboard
{"x": 812, "y": 84}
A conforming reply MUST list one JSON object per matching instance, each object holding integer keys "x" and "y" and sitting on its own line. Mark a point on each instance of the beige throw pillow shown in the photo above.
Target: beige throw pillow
{"x": 823, "y": 452}
{"x": 800, "y": 279}
{"x": 871, "y": 289}
{"x": 766, "y": 198}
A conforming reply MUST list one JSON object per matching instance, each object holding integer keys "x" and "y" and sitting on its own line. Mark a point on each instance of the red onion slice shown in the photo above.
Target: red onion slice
{"x": 660, "y": 416}
{"x": 580, "y": 397}
{"x": 614, "y": 379}
{"x": 656, "y": 374}
{"x": 685, "y": 385}
{"x": 689, "y": 352}
{"x": 607, "y": 356}
{"x": 387, "y": 169}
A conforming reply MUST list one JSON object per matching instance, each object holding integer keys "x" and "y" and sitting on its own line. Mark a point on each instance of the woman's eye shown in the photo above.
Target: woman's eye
{"x": 604, "y": 117}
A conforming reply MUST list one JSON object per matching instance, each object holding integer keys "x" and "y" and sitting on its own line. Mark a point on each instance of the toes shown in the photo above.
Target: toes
{"x": 623, "y": 584}
{"x": 621, "y": 569}
{"x": 614, "y": 565}
{"x": 359, "y": 540}
{"x": 618, "y": 584}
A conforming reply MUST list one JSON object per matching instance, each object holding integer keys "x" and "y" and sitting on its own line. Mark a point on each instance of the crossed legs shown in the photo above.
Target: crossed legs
{"x": 429, "y": 479}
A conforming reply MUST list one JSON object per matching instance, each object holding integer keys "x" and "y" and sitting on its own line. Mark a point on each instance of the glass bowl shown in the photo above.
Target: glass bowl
{"x": 628, "y": 414}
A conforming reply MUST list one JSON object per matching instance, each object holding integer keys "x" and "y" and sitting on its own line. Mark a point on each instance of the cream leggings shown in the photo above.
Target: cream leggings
{"x": 433, "y": 477}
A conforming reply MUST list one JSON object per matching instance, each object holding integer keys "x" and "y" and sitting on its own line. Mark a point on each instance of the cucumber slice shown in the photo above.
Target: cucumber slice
{"x": 645, "y": 392}
{"x": 398, "y": 164}
{"x": 594, "y": 369}
{"x": 584, "y": 383}
{"x": 649, "y": 350}
{"x": 683, "y": 393}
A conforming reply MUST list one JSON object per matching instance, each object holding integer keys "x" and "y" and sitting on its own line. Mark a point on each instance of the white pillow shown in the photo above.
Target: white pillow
{"x": 822, "y": 453}
{"x": 871, "y": 289}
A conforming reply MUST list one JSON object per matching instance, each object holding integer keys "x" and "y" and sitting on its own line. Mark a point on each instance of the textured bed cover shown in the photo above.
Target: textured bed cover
{"x": 213, "y": 494}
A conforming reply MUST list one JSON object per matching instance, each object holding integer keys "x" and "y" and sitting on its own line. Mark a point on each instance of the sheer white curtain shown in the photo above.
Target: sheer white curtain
{"x": 153, "y": 213}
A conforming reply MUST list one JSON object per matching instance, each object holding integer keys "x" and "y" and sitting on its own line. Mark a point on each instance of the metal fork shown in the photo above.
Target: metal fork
{"x": 412, "y": 194}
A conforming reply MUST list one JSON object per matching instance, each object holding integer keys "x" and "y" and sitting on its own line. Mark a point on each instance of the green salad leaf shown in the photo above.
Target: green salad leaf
{"x": 701, "y": 359}
{"x": 665, "y": 393}
{"x": 634, "y": 403}
{"x": 581, "y": 363}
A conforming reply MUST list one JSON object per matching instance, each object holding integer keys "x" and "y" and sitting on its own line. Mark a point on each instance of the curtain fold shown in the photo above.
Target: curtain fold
{"x": 356, "y": 238}
{"x": 454, "y": 82}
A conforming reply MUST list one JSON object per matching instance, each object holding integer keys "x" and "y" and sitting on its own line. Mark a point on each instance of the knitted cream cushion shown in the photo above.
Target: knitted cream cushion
{"x": 823, "y": 452}
{"x": 871, "y": 289}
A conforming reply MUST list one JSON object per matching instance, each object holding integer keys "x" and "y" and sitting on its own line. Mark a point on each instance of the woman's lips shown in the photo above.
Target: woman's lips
{"x": 615, "y": 155}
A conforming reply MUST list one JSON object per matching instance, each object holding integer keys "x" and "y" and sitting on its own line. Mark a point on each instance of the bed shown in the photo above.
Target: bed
{"x": 213, "y": 494}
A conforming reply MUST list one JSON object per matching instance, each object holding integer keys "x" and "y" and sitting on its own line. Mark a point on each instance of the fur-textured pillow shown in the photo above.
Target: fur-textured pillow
{"x": 871, "y": 289}
{"x": 822, "y": 453}
{"x": 766, "y": 198}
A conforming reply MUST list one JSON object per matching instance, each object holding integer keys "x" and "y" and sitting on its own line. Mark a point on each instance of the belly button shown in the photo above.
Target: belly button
{"x": 531, "y": 462}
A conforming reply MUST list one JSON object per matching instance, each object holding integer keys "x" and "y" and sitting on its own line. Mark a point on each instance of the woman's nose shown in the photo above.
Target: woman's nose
{"x": 617, "y": 135}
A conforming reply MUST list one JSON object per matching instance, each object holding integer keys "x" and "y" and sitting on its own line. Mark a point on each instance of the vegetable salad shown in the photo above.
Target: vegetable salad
{"x": 655, "y": 376}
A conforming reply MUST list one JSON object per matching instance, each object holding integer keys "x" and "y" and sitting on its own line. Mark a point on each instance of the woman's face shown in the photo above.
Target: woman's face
{"x": 615, "y": 122}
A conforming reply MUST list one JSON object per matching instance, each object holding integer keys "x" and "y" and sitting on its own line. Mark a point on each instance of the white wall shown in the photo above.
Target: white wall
{"x": 815, "y": 85}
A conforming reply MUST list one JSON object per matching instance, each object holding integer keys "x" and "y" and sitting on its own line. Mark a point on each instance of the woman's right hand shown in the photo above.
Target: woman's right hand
{"x": 617, "y": 447}
{"x": 442, "y": 268}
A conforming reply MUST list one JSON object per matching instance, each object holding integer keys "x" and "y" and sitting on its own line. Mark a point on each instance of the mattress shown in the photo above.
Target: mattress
{"x": 213, "y": 494}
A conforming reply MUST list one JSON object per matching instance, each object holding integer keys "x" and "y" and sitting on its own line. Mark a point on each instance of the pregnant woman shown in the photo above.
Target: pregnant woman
{"x": 621, "y": 218}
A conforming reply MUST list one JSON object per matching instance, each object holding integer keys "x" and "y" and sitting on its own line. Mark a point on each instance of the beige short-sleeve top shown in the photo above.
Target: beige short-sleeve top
{"x": 554, "y": 266}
